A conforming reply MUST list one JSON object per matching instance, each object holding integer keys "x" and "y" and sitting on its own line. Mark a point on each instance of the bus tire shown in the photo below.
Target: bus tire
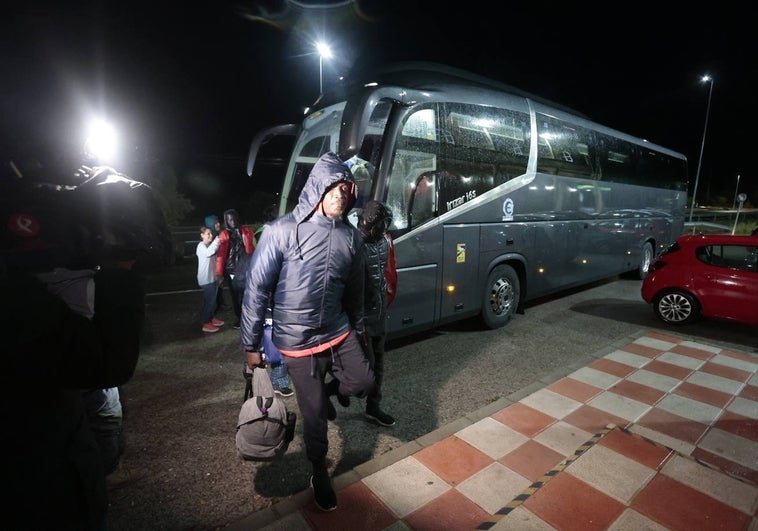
{"x": 647, "y": 256}
{"x": 501, "y": 296}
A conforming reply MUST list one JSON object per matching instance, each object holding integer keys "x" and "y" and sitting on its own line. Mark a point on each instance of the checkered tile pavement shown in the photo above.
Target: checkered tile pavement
{"x": 659, "y": 434}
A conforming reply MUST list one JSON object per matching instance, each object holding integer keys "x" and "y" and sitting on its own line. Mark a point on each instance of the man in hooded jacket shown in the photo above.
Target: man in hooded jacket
{"x": 309, "y": 264}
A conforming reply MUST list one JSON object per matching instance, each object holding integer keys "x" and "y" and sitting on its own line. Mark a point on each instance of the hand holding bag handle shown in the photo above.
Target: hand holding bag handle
{"x": 262, "y": 382}
{"x": 257, "y": 379}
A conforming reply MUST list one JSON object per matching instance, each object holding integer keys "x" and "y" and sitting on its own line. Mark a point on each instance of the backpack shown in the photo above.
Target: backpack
{"x": 265, "y": 427}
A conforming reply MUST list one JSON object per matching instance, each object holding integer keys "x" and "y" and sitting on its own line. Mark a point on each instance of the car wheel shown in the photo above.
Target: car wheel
{"x": 676, "y": 307}
{"x": 501, "y": 296}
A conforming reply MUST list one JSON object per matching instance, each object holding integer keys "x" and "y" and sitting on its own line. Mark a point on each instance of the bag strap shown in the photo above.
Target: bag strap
{"x": 262, "y": 385}
{"x": 248, "y": 384}
{"x": 262, "y": 382}
{"x": 264, "y": 407}
{"x": 272, "y": 420}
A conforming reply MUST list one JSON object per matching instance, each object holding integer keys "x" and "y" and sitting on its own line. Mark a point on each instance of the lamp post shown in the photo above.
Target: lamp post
{"x": 737, "y": 189}
{"x": 323, "y": 51}
{"x": 709, "y": 79}
{"x": 741, "y": 198}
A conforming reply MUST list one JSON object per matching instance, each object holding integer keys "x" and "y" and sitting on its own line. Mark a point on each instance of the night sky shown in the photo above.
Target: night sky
{"x": 190, "y": 83}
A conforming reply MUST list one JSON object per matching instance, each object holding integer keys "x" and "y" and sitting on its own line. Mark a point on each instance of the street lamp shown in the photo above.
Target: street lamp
{"x": 323, "y": 51}
{"x": 709, "y": 79}
{"x": 741, "y": 198}
{"x": 737, "y": 189}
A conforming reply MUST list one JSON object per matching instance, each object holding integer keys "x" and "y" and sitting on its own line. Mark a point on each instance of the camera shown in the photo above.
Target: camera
{"x": 98, "y": 218}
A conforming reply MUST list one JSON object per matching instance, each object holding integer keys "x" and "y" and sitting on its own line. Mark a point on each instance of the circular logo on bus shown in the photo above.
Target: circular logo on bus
{"x": 508, "y": 208}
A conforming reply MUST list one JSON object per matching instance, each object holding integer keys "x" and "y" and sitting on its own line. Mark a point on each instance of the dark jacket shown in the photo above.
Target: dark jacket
{"x": 381, "y": 271}
{"x": 381, "y": 283}
{"x": 51, "y": 353}
{"x": 313, "y": 266}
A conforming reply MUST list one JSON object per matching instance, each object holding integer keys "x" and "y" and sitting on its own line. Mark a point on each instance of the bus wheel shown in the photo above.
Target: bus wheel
{"x": 501, "y": 296}
{"x": 646, "y": 260}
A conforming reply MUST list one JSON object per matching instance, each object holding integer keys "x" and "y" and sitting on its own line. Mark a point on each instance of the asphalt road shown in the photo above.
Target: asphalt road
{"x": 180, "y": 469}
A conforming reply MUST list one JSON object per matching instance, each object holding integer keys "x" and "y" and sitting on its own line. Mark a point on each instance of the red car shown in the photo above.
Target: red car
{"x": 705, "y": 275}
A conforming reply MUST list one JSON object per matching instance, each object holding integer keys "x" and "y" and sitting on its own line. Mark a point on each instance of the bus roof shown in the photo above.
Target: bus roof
{"x": 420, "y": 74}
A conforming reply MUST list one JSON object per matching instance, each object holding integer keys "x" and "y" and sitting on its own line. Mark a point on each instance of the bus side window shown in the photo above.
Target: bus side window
{"x": 452, "y": 190}
{"x": 563, "y": 148}
{"x": 462, "y": 181}
{"x": 315, "y": 147}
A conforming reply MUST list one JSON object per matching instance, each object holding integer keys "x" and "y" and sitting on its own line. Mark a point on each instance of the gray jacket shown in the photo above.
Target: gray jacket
{"x": 313, "y": 267}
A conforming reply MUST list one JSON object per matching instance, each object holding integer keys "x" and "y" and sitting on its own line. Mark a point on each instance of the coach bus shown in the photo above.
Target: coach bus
{"x": 498, "y": 196}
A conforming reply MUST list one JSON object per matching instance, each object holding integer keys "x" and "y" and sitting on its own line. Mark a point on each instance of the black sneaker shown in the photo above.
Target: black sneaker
{"x": 380, "y": 416}
{"x": 343, "y": 400}
{"x": 284, "y": 391}
{"x": 236, "y": 325}
{"x": 323, "y": 493}
{"x": 331, "y": 413}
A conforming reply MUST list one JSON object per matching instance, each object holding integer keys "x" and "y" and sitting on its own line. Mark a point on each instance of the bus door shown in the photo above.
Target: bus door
{"x": 460, "y": 266}
{"x": 412, "y": 196}
{"x": 418, "y": 282}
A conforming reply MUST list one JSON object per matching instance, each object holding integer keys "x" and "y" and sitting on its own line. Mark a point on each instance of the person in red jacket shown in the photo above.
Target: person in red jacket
{"x": 232, "y": 258}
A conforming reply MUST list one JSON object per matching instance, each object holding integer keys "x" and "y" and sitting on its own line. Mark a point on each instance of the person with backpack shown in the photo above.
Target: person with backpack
{"x": 309, "y": 268}
{"x": 235, "y": 246}
{"x": 381, "y": 287}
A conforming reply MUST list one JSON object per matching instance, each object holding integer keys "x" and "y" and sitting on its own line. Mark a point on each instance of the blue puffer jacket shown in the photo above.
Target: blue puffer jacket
{"x": 314, "y": 268}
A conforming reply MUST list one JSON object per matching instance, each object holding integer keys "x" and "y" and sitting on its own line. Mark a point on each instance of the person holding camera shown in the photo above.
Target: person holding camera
{"x": 73, "y": 310}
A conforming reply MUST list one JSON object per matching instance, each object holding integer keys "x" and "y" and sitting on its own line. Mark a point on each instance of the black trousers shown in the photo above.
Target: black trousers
{"x": 347, "y": 362}
{"x": 219, "y": 299}
{"x": 375, "y": 353}
{"x": 235, "y": 295}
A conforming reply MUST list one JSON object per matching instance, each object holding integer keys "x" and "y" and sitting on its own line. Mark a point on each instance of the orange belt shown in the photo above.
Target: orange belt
{"x": 321, "y": 348}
